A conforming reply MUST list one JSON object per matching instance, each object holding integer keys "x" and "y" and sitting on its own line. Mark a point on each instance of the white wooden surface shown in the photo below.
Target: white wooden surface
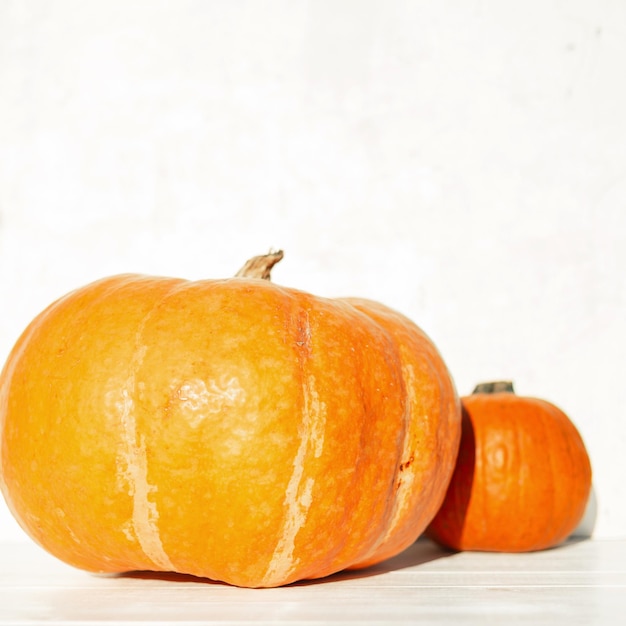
{"x": 581, "y": 582}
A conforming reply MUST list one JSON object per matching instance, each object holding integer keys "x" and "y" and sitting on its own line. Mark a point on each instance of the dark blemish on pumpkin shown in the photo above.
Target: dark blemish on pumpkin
{"x": 404, "y": 466}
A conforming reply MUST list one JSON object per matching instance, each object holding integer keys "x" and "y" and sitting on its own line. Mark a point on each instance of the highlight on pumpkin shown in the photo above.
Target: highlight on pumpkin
{"x": 231, "y": 429}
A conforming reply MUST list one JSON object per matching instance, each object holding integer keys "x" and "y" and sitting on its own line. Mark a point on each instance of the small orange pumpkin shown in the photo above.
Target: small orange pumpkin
{"x": 229, "y": 429}
{"x": 522, "y": 479}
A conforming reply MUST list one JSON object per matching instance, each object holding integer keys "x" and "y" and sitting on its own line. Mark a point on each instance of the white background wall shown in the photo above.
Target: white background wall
{"x": 463, "y": 161}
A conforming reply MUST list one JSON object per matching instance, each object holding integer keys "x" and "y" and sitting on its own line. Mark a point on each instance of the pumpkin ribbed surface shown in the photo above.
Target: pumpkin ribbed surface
{"x": 229, "y": 429}
{"x": 522, "y": 480}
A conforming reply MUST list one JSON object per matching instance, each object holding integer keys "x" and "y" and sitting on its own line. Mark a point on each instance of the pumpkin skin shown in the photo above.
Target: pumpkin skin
{"x": 522, "y": 480}
{"x": 229, "y": 429}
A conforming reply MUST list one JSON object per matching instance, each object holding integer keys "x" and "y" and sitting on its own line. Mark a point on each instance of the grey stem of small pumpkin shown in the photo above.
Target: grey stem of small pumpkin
{"x": 498, "y": 386}
{"x": 260, "y": 266}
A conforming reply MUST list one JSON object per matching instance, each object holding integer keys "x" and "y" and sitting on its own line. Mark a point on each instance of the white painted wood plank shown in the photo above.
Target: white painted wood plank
{"x": 578, "y": 583}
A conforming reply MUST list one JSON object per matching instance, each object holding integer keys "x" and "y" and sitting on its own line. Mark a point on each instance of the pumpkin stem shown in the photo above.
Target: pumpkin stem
{"x": 260, "y": 266}
{"x": 498, "y": 386}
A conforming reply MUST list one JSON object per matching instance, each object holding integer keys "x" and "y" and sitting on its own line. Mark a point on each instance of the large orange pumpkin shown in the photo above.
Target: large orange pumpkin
{"x": 229, "y": 429}
{"x": 523, "y": 476}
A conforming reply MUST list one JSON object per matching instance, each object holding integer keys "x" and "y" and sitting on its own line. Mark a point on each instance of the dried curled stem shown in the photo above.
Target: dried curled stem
{"x": 260, "y": 266}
